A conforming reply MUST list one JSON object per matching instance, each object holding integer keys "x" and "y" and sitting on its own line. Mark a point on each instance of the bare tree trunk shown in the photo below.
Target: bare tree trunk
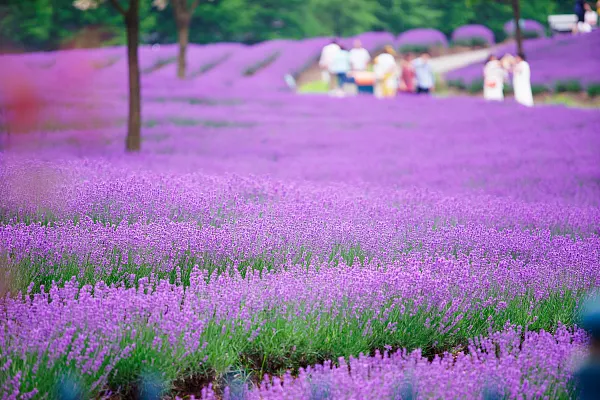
{"x": 183, "y": 34}
{"x": 518, "y": 34}
{"x": 134, "y": 124}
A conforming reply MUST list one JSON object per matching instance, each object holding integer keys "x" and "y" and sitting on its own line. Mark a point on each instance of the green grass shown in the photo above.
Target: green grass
{"x": 253, "y": 69}
{"x": 158, "y": 65}
{"x": 195, "y": 101}
{"x": 287, "y": 342}
{"x": 315, "y": 87}
{"x": 208, "y": 66}
{"x": 569, "y": 101}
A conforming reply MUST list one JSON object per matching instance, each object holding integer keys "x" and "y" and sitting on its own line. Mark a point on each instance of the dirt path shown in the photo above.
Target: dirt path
{"x": 443, "y": 64}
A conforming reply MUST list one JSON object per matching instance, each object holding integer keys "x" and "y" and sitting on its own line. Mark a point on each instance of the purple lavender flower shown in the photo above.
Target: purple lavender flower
{"x": 473, "y": 32}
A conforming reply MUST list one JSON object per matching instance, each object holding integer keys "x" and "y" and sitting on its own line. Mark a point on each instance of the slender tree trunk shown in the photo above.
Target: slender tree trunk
{"x": 134, "y": 124}
{"x": 518, "y": 34}
{"x": 183, "y": 34}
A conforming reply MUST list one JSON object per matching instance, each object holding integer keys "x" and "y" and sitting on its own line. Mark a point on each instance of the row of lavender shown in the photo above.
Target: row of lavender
{"x": 101, "y": 334}
{"x": 196, "y": 273}
{"x": 562, "y": 63}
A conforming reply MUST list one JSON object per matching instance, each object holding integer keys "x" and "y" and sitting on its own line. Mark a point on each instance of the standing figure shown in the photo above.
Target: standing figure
{"x": 340, "y": 67}
{"x": 386, "y": 73}
{"x": 408, "y": 74}
{"x": 327, "y": 55}
{"x": 359, "y": 57}
{"x": 590, "y": 16}
{"x": 424, "y": 74}
{"x": 522, "y": 81}
{"x": 493, "y": 79}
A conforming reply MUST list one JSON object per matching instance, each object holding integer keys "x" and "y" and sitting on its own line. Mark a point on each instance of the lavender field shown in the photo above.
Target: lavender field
{"x": 561, "y": 63}
{"x": 269, "y": 245}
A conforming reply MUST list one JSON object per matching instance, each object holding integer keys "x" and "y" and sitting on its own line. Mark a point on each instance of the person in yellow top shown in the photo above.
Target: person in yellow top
{"x": 386, "y": 73}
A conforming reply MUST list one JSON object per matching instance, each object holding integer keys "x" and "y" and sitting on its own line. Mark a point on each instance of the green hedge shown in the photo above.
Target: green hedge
{"x": 476, "y": 86}
{"x": 593, "y": 89}
{"x": 539, "y": 89}
{"x": 419, "y": 48}
{"x": 570, "y": 86}
{"x": 457, "y": 83}
{"x": 470, "y": 42}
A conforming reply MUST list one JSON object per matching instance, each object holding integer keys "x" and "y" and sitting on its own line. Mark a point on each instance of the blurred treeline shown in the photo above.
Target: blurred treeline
{"x": 51, "y": 24}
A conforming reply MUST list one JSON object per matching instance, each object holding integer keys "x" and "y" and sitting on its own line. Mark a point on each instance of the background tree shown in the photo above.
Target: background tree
{"x": 183, "y": 11}
{"x": 50, "y": 24}
{"x": 345, "y": 17}
{"x": 397, "y": 16}
{"x": 131, "y": 18}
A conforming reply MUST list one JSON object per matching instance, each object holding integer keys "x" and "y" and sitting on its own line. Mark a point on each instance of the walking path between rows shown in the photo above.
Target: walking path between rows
{"x": 443, "y": 64}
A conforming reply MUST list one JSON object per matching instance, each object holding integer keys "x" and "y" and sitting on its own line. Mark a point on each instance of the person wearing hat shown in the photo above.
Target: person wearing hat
{"x": 386, "y": 73}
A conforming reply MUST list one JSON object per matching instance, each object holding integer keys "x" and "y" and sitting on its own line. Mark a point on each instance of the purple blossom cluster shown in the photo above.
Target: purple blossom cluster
{"x": 422, "y": 37}
{"x": 528, "y": 26}
{"x": 97, "y": 329}
{"x": 470, "y": 32}
{"x": 543, "y": 55}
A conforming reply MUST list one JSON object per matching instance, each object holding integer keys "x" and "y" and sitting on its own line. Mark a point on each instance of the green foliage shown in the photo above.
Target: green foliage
{"x": 48, "y": 24}
{"x": 593, "y": 89}
{"x": 27, "y": 21}
{"x": 539, "y": 89}
{"x": 470, "y": 42}
{"x": 457, "y": 83}
{"x": 571, "y": 85}
{"x": 476, "y": 86}
{"x": 401, "y": 15}
{"x": 417, "y": 48}
{"x": 344, "y": 17}
{"x": 287, "y": 342}
{"x": 527, "y": 34}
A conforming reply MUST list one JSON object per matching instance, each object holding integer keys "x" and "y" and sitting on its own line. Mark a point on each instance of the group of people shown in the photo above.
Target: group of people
{"x": 496, "y": 72}
{"x": 383, "y": 74}
{"x": 587, "y": 18}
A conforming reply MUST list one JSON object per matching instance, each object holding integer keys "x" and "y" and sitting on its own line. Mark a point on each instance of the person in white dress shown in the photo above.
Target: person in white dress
{"x": 359, "y": 57}
{"x": 328, "y": 54}
{"x": 494, "y": 76}
{"x": 386, "y": 73}
{"x": 522, "y": 81}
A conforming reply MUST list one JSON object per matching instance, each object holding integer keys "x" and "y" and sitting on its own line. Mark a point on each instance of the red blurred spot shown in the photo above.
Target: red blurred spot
{"x": 20, "y": 100}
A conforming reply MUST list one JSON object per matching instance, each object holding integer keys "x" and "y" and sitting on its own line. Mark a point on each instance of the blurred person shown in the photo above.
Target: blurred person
{"x": 340, "y": 67}
{"x": 327, "y": 55}
{"x": 359, "y": 57}
{"x": 424, "y": 74}
{"x": 408, "y": 74}
{"x": 590, "y": 16}
{"x": 494, "y": 76}
{"x": 386, "y": 73}
{"x": 522, "y": 81}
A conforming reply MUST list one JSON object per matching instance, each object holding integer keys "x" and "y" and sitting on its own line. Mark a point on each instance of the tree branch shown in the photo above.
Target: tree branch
{"x": 119, "y": 7}
{"x": 193, "y": 6}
